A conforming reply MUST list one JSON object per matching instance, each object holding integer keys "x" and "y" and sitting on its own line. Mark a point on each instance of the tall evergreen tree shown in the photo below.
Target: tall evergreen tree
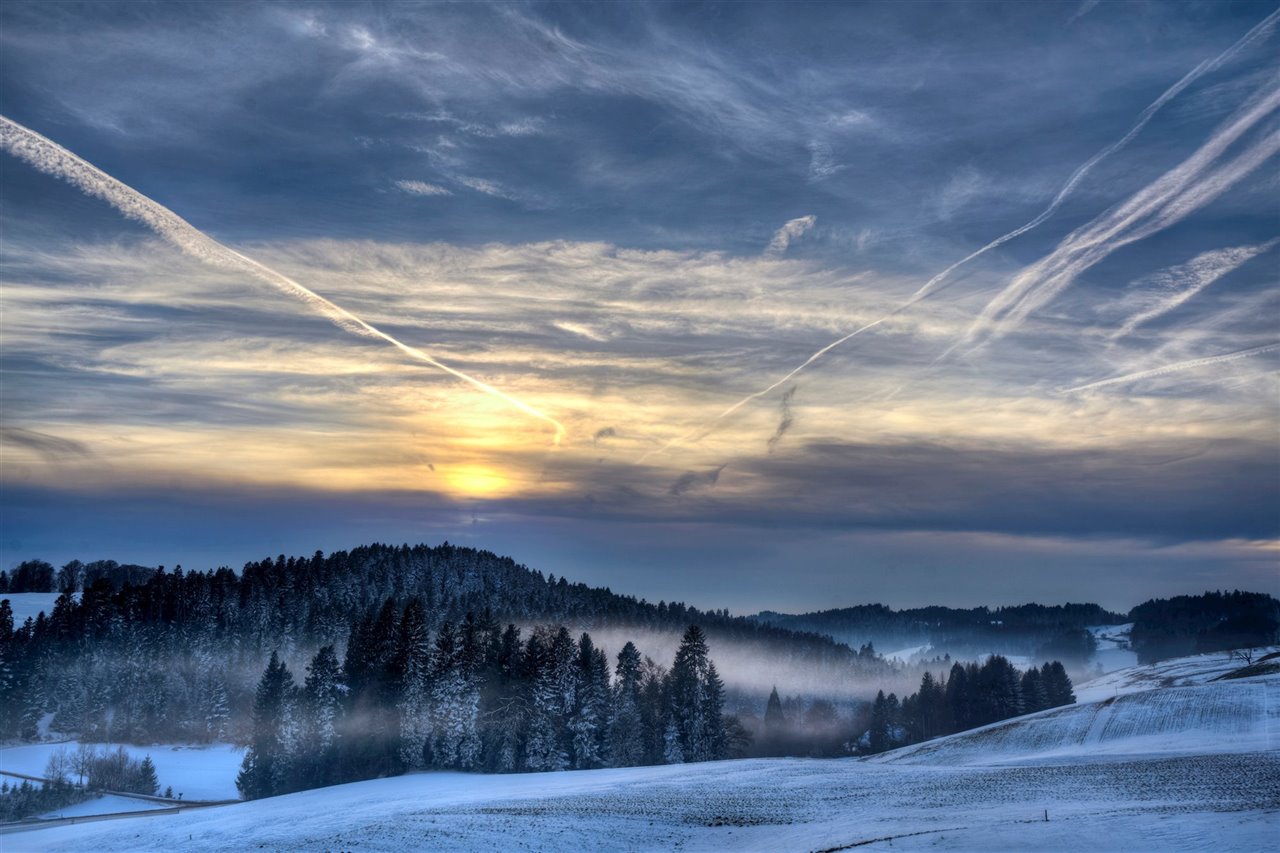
{"x": 696, "y": 697}
{"x": 626, "y": 732}
{"x": 265, "y": 768}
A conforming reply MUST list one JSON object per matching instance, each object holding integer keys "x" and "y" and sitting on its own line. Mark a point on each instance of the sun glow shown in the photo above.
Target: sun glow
{"x": 475, "y": 481}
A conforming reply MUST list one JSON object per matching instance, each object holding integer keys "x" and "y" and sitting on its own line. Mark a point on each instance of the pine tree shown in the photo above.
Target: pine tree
{"x": 454, "y": 702}
{"x": 413, "y": 671}
{"x": 265, "y": 768}
{"x": 1034, "y": 696}
{"x": 626, "y": 735}
{"x": 1057, "y": 684}
{"x": 320, "y": 709}
{"x": 591, "y": 709}
{"x": 147, "y": 782}
{"x": 673, "y": 752}
{"x": 696, "y": 697}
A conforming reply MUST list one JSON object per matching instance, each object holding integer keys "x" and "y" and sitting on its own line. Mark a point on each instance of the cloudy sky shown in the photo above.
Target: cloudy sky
{"x": 748, "y": 305}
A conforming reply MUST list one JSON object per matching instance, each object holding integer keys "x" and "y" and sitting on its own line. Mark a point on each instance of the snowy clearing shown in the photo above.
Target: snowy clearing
{"x": 30, "y": 604}
{"x": 106, "y": 804}
{"x": 1190, "y": 767}
{"x": 198, "y": 772}
{"x": 1113, "y": 648}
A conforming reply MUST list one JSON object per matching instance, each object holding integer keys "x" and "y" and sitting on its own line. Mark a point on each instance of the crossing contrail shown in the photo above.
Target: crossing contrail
{"x": 51, "y": 158}
{"x": 932, "y": 285}
{"x": 1176, "y": 367}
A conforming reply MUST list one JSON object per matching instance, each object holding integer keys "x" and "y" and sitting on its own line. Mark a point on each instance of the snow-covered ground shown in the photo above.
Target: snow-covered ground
{"x": 30, "y": 604}
{"x": 198, "y": 772}
{"x": 1113, "y": 648}
{"x": 1191, "y": 767}
{"x": 106, "y": 804}
{"x": 1175, "y": 672}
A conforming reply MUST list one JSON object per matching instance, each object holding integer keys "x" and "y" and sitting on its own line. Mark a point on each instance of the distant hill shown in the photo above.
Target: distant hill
{"x": 1032, "y": 631}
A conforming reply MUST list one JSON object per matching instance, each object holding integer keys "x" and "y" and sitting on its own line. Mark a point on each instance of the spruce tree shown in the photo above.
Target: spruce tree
{"x": 146, "y": 780}
{"x": 626, "y": 735}
{"x": 265, "y": 767}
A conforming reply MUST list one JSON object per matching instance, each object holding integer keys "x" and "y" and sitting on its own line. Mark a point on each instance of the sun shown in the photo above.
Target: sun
{"x": 475, "y": 481}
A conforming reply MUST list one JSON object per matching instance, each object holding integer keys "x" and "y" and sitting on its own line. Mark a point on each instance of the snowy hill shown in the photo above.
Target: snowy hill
{"x": 1136, "y": 712}
{"x": 1188, "y": 767}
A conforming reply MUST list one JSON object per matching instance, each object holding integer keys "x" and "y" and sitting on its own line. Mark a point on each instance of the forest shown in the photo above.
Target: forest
{"x": 1029, "y": 630}
{"x": 391, "y": 658}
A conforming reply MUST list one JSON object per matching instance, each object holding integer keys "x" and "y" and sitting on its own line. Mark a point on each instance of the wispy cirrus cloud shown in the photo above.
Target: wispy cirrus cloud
{"x": 423, "y": 188}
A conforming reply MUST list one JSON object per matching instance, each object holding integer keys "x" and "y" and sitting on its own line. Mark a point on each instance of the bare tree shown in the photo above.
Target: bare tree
{"x": 82, "y": 760}
{"x": 59, "y": 766}
{"x": 1245, "y": 656}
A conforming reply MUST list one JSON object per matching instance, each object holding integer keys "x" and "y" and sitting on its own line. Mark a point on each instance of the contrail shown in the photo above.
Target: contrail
{"x": 51, "y": 158}
{"x": 1174, "y": 368}
{"x": 1078, "y": 175}
{"x": 1175, "y": 195}
{"x": 1194, "y": 276}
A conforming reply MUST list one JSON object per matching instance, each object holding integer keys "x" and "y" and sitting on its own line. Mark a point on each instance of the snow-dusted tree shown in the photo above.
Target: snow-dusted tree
{"x": 320, "y": 706}
{"x": 455, "y": 702}
{"x": 626, "y": 734}
{"x": 504, "y": 703}
{"x": 591, "y": 711}
{"x": 552, "y": 699}
{"x": 673, "y": 752}
{"x": 413, "y": 669}
{"x": 265, "y": 768}
{"x": 696, "y": 697}
{"x": 146, "y": 779}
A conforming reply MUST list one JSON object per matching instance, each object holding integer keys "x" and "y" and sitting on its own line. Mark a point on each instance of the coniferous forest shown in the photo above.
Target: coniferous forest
{"x": 384, "y": 659}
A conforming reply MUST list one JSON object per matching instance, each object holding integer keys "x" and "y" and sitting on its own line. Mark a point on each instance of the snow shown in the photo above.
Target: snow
{"x": 1113, "y": 648}
{"x": 106, "y": 804}
{"x": 1176, "y": 672}
{"x": 30, "y": 604}
{"x": 198, "y": 772}
{"x": 909, "y": 654}
{"x": 1169, "y": 760}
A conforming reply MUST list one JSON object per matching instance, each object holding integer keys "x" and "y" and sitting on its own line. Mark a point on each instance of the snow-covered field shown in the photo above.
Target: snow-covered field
{"x": 198, "y": 772}
{"x": 106, "y": 804}
{"x": 1149, "y": 767}
{"x": 30, "y": 604}
{"x": 1113, "y": 648}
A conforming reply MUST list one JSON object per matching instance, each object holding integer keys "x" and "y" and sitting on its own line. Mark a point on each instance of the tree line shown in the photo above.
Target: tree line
{"x": 972, "y": 695}
{"x": 475, "y": 696}
{"x": 1214, "y": 621}
{"x": 144, "y": 655}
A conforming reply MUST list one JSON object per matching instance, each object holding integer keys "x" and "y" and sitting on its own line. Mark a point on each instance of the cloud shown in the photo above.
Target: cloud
{"x": 602, "y": 434}
{"x": 422, "y": 188}
{"x": 785, "y": 420}
{"x": 55, "y": 160}
{"x": 690, "y": 480}
{"x": 1170, "y": 288}
{"x": 1172, "y": 197}
{"x": 51, "y": 447}
{"x": 1176, "y": 208}
{"x": 822, "y": 163}
{"x": 793, "y": 230}
{"x": 1190, "y": 364}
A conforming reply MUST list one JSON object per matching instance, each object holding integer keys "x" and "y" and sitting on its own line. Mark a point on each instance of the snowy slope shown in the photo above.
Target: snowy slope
{"x": 1175, "y": 672}
{"x": 1169, "y": 708}
{"x": 106, "y": 804}
{"x": 1164, "y": 769}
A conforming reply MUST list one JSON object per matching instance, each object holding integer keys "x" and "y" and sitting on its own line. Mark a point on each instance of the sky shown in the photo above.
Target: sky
{"x": 749, "y": 305}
